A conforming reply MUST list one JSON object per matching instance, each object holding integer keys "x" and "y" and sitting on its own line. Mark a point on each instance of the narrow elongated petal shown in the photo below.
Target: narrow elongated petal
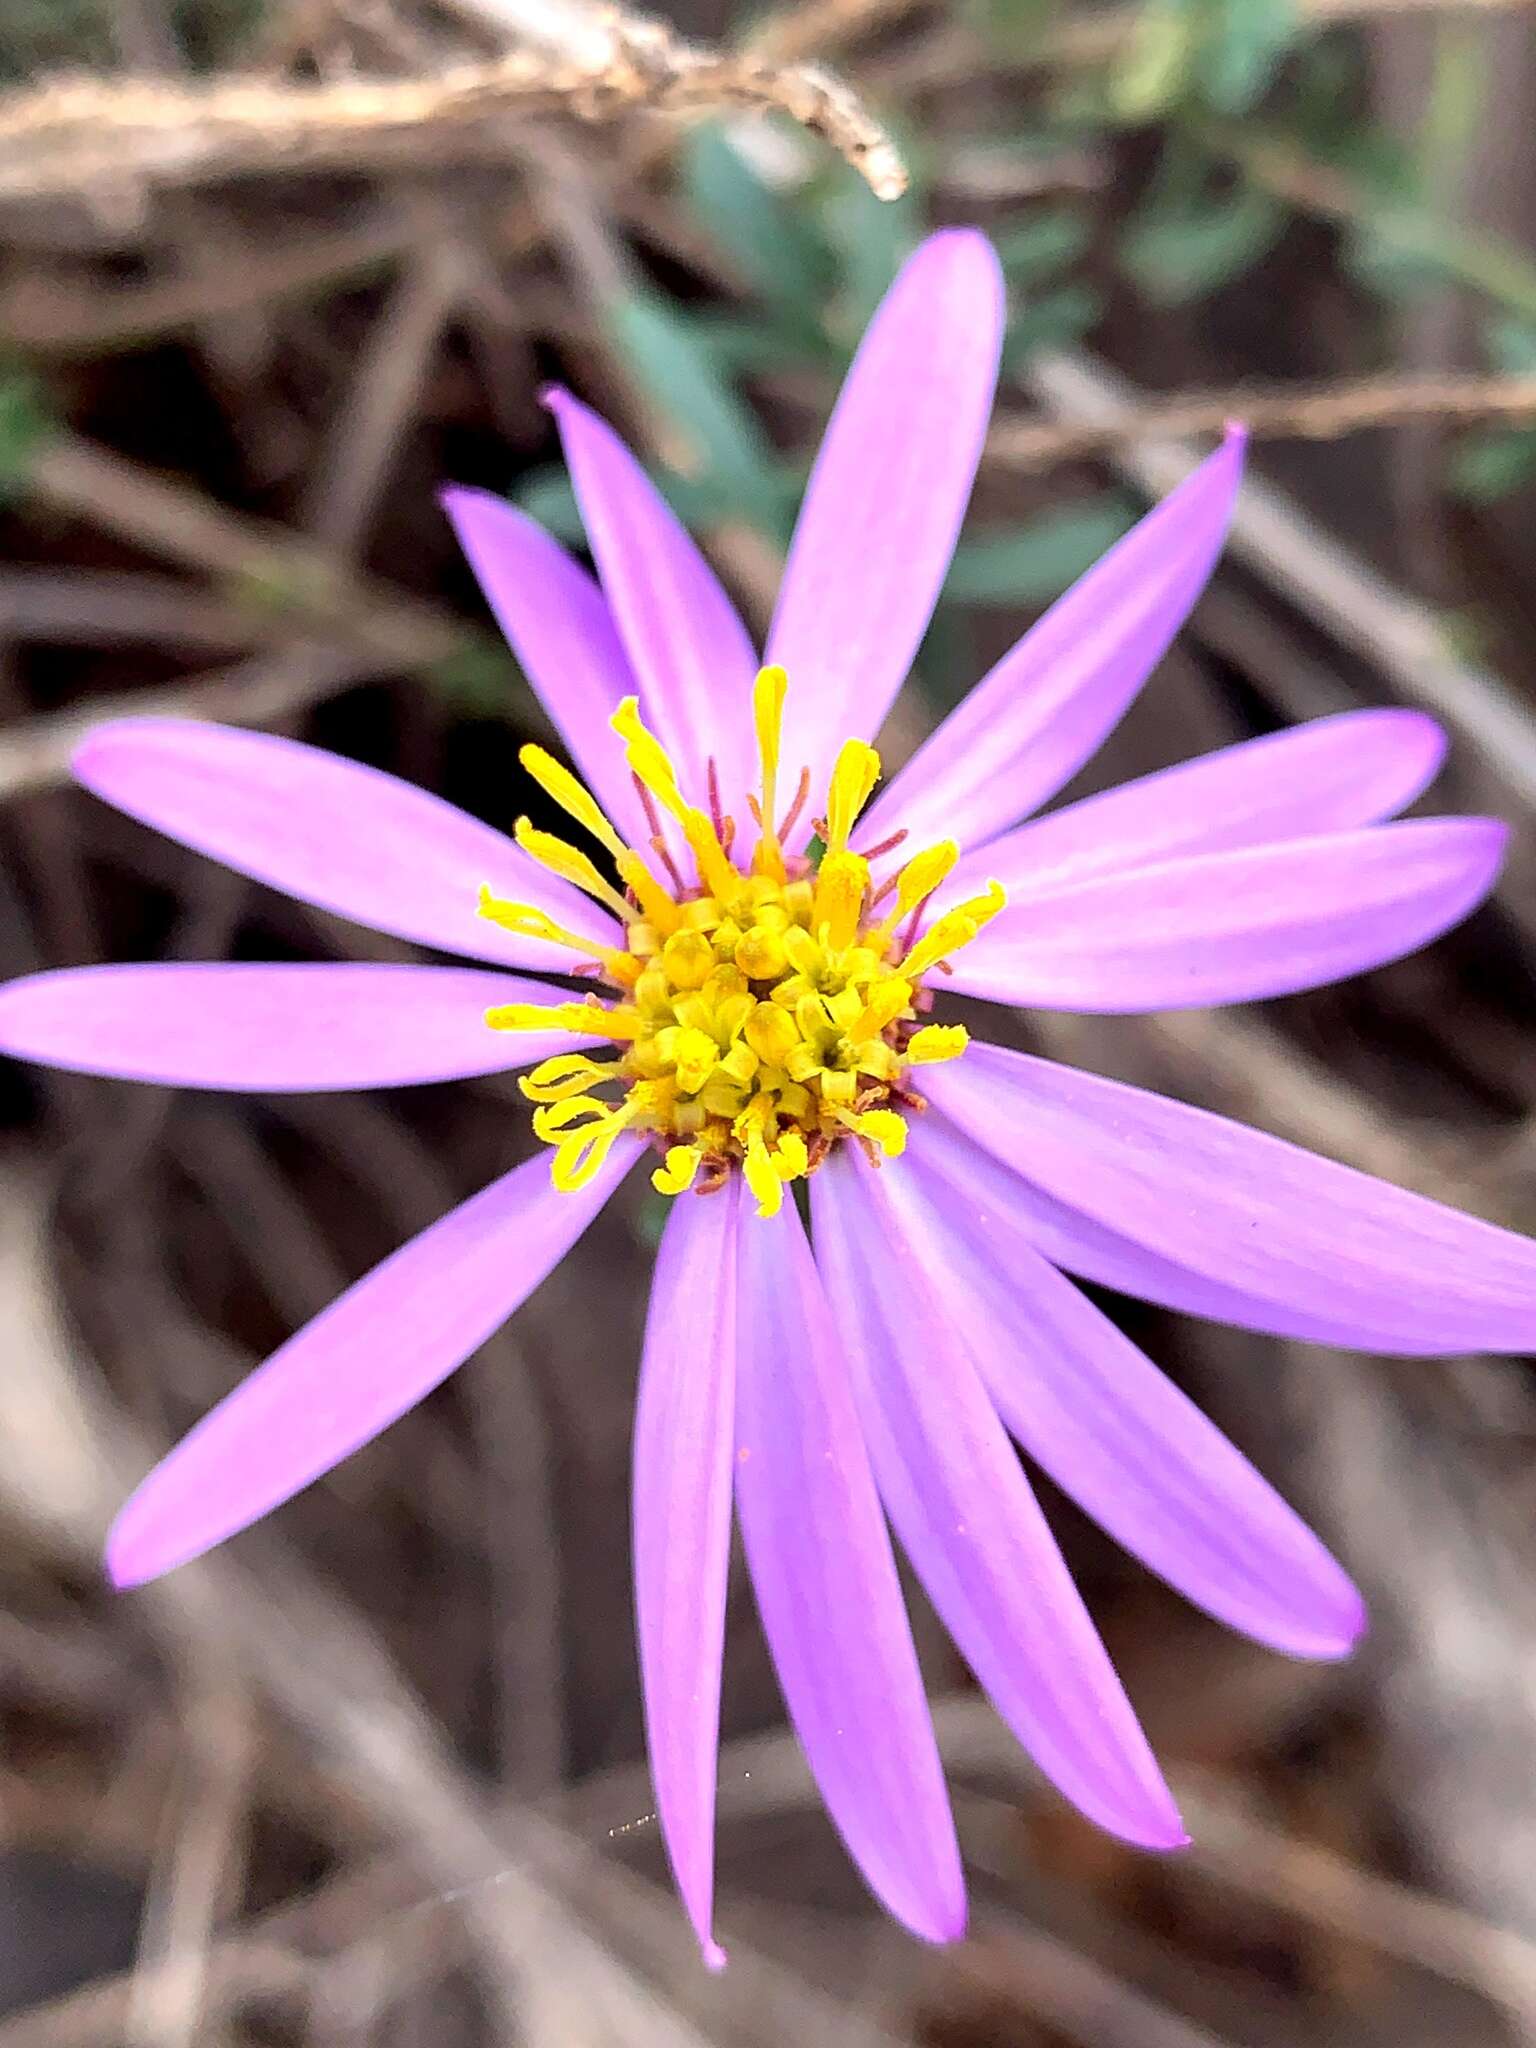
{"x": 561, "y": 630}
{"x": 827, "y": 1590}
{"x": 999, "y": 1201}
{"x": 692, "y": 655}
{"x": 682, "y": 1521}
{"x": 1234, "y": 927}
{"x": 283, "y": 1028}
{"x": 331, "y": 832}
{"x": 957, "y": 1495}
{"x": 1113, "y": 1432}
{"x": 1291, "y": 1242}
{"x": 886, "y": 498}
{"x": 375, "y": 1352}
{"x": 1047, "y": 706}
{"x": 1330, "y": 775}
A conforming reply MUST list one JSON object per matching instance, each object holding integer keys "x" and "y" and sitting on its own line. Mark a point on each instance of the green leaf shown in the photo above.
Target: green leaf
{"x": 1013, "y": 27}
{"x": 1034, "y": 563}
{"x": 1247, "y": 43}
{"x": 1491, "y": 465}
{"x": 1040, "y": 249}
{"x": 768, "y": 241}
{"x": 1057, "y": 320}
{"x": 1155, "y": 71}
{"x": 687, "y": 380}
{"x": 1177, "y": 253}
{"x": 746, "y": 347}
{"x": 1391, "y": 256}
{"x": 871, "y": 238}
{"x": 1512, "y": 344}
{"x": 26, "y": 422}
{"x": 480, "y": 678}
{"x": 546, "y": 495}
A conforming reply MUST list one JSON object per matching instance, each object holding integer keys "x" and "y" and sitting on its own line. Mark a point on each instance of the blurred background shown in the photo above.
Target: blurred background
{"x": 373, "y": 1775}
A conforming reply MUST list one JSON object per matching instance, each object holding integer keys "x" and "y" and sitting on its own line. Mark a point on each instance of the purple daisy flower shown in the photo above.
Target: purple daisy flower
{"x": 761, "y": 1015}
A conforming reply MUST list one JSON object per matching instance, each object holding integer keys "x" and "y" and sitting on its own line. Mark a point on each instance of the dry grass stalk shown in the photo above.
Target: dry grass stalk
{"x": 113, "y": 140}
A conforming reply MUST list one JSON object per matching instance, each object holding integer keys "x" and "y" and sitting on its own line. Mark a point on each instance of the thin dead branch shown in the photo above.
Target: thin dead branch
{"x": 116, "y": 140}
{"x": 1320, "y": 412}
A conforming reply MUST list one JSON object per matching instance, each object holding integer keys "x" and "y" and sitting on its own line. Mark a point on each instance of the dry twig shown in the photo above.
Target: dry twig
{"x": 115, "y": 140}
{"x": 1320, "y": 412}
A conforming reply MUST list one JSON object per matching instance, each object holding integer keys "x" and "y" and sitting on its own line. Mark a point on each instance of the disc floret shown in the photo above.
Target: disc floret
{"x": 756, "y": 1016}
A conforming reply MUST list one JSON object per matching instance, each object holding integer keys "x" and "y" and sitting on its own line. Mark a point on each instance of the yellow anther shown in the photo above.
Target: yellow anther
{"x": 530, "y": 923}
{"x": 715, "y": 870}
{"x": 679, "y": 1172}
{"x": 554, "y": 1120}
{"x": 840, "y": 890}
{"x": 772, "y": 1034}
{"x": 883, "y": 1128}
{"x": 768, "y": 715}
{"x": 853, "y": 780}
{"x": 937, "y": 1042}
{"x": 760, "y": 1020}
{"x": 915, "y": 884}
{"x": 589, "y": 1018}
{"x": 566, "y": 1074}
{"x": 956, "y": 928}
{"x": 647, "y": 757}
{"x": 573, "y": 797}
{"x": 760, "y": 954}
{"x": 578, "y": 1159}
{"x": 790, "y": 1158}
{"x": 687, "y": 960}
{"x": 694, "y": 1056}
{"x": 762, "y": 1178}
{"x": 885, "y": 1004}
{"x": 570, "y": 864}
{"x": 656, "y": 905}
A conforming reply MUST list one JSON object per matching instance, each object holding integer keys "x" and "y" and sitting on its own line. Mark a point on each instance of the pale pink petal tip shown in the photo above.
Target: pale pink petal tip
{"x": 715, "y": 1957}
{"x": 131, "y": 1559}
{"x": 1234, "y": 435}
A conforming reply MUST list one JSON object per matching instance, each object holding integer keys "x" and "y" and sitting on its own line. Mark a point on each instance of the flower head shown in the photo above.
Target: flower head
{"x": 768, "y": 1010}
{"x": 761, "y": 1015}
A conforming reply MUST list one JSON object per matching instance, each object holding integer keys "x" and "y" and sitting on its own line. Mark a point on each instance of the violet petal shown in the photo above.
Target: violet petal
{"x": 682, "y": 1529}
{"x": 827, "y": 1589}
{"x": 292, "y": 1027}
{"x": 375, "y": 1352}
{"x": 1113, "y": 1432}
{"x": 331, "y": 832}
{"x": 1269, "y": 1235}
{"x": 957, "y": 1495}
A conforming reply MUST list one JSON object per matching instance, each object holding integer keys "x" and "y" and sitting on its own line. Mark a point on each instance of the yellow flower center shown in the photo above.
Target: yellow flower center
{"x": 756, "y": 1016}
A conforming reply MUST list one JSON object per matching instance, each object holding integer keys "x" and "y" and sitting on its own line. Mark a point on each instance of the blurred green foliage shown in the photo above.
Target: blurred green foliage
{"x": 26, "y": 420}
{"x": 76, "y": 35}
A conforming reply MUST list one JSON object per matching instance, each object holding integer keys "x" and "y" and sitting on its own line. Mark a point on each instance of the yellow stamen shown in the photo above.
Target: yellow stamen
{"x": 760, "y": 1021}
{"x": 840, "y": 890}
{"x": 886, "y": 1003}
{"x": 768, "y": 713}
{"x": 915, "y": 884}
{"x": 937, "y": 1042}
{"x": 648, "y": 758}
{"x": 853, "y": 779}
{"x": 956, "y": 928}
{"x": 567, "y": 1074}
{"x": 656, "y": 905}
{"x": 883, "y": 1128}
{"x": 590, "y": 1018}
{"x": 573, "y": 797}
{"x": 680, "y": 1171}
{"x": 570, "y": 864}
{"x": 530, "y": 923}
